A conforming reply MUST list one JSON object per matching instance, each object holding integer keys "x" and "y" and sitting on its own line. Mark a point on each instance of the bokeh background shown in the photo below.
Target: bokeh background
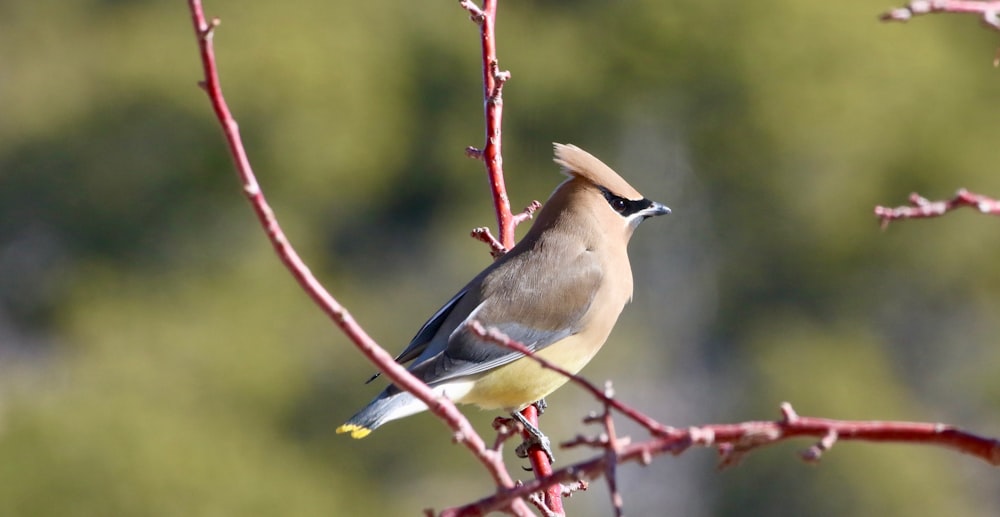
{"x": 156, "y": 359}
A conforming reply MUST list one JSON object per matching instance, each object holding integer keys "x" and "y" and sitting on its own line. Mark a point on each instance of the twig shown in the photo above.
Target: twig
{"x": 493, "y": 81}
{"x": 635, "y": 415}
{"x": 921, "y": 207}
{"x": 484, "y": 234}
{"x": 988, "y": 11}
{"x": 611, "y": 447}
{"x": 527, "y": 213}
{"x": 443, "y": 408}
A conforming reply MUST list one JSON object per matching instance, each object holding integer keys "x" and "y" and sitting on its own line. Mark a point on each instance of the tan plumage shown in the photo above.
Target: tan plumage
{"x": 559, "y": 291}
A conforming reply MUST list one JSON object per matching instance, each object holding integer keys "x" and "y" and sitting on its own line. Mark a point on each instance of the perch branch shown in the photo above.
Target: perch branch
{"x": 492, "y": 156}
{"x": 733, "y": 441}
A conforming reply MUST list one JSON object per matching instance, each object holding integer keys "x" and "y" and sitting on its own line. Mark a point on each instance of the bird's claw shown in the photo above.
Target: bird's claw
{"x": 535, "y": 438}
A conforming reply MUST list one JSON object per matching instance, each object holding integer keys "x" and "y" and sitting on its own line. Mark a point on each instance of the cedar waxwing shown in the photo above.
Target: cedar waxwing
{"x": 559, "y": 291}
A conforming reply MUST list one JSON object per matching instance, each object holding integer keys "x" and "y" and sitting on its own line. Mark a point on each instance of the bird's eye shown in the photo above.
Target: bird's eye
{"x": 619, "y": 205}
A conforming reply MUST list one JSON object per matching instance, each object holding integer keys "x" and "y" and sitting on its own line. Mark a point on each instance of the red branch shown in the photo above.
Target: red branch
{"x": 733, "y": 441}
{"x": 440, "y": 406}
{"x": 497, "y": 249}
{"x": 493, "y": 81}
{"x": 492, "y": 156}
{"x": 635, "y": 415}
{"x": 921, "y": 207}
{"x": 989, "y": 12}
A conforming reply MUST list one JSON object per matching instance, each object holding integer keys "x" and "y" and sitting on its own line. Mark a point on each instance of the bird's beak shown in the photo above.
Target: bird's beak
{"x": 654, "y": 210}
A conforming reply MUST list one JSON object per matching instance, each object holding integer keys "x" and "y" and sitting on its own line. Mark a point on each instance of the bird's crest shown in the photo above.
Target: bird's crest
{"x": 580, "y": 163}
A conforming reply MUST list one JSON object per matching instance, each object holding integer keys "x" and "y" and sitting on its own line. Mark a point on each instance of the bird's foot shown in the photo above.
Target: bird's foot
{"x": 535, "y": 438}
{"x": 541, "y": 405}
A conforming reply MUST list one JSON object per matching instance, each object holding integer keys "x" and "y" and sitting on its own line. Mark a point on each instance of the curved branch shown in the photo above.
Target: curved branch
{"x": 439, "y": 406}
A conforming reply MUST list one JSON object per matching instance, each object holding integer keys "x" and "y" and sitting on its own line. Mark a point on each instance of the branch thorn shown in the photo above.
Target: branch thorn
{"x": 815, "y": 453}
{"x": 208, "y": 30}
{"x": 483, "y": 234}
{"x": 476, "y": 14}
{"x": 474, "y": 152}
{"x": 527, "y": 213}
{"x": 788, "y": 414}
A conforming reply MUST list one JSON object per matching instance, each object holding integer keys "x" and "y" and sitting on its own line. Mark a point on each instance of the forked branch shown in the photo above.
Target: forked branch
{"x": 732, "y": 441}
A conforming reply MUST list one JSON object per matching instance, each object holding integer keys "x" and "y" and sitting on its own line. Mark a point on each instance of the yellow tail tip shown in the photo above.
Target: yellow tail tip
{"x": 357, "y": 432}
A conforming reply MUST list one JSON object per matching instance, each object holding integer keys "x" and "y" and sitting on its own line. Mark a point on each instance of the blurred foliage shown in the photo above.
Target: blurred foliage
{"x": 155, "y": 358}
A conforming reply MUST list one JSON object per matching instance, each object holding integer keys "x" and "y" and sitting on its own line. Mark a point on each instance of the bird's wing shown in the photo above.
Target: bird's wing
{"x": 419, "y": 342}
{"x": 530, "y": 307}
{"x": 426, "y": 333}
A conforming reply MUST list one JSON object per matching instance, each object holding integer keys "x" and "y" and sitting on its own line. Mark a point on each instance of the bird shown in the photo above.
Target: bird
{"x": 558, "y": 291}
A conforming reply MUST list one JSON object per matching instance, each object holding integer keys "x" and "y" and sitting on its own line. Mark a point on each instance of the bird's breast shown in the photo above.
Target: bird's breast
{"x": 524, "y": 381}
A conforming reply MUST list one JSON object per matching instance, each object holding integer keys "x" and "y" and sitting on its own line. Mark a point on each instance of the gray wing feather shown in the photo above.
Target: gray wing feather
{"x": 469, "y": 354}
{"x": 426, "y": 333}
{"x": 531, "y": 309}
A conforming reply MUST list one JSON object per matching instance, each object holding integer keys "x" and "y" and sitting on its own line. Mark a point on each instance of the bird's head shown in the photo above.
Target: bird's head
{"x": 603, "y": 192}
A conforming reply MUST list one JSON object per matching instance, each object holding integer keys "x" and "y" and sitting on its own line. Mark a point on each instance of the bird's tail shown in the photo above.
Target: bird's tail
{"x": 384, "y": 408}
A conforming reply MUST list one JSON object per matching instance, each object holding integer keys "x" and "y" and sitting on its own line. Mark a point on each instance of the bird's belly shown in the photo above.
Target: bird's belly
{"x": 515, "y": 385}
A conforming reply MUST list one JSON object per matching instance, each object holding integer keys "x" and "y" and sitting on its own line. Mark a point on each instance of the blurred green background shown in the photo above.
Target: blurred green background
{"x": 156, "y": 359}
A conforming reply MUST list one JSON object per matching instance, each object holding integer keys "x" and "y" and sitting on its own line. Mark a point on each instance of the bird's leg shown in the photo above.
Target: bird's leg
{"x": 541, "y": 405}
{"x": 537, "y": 438}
